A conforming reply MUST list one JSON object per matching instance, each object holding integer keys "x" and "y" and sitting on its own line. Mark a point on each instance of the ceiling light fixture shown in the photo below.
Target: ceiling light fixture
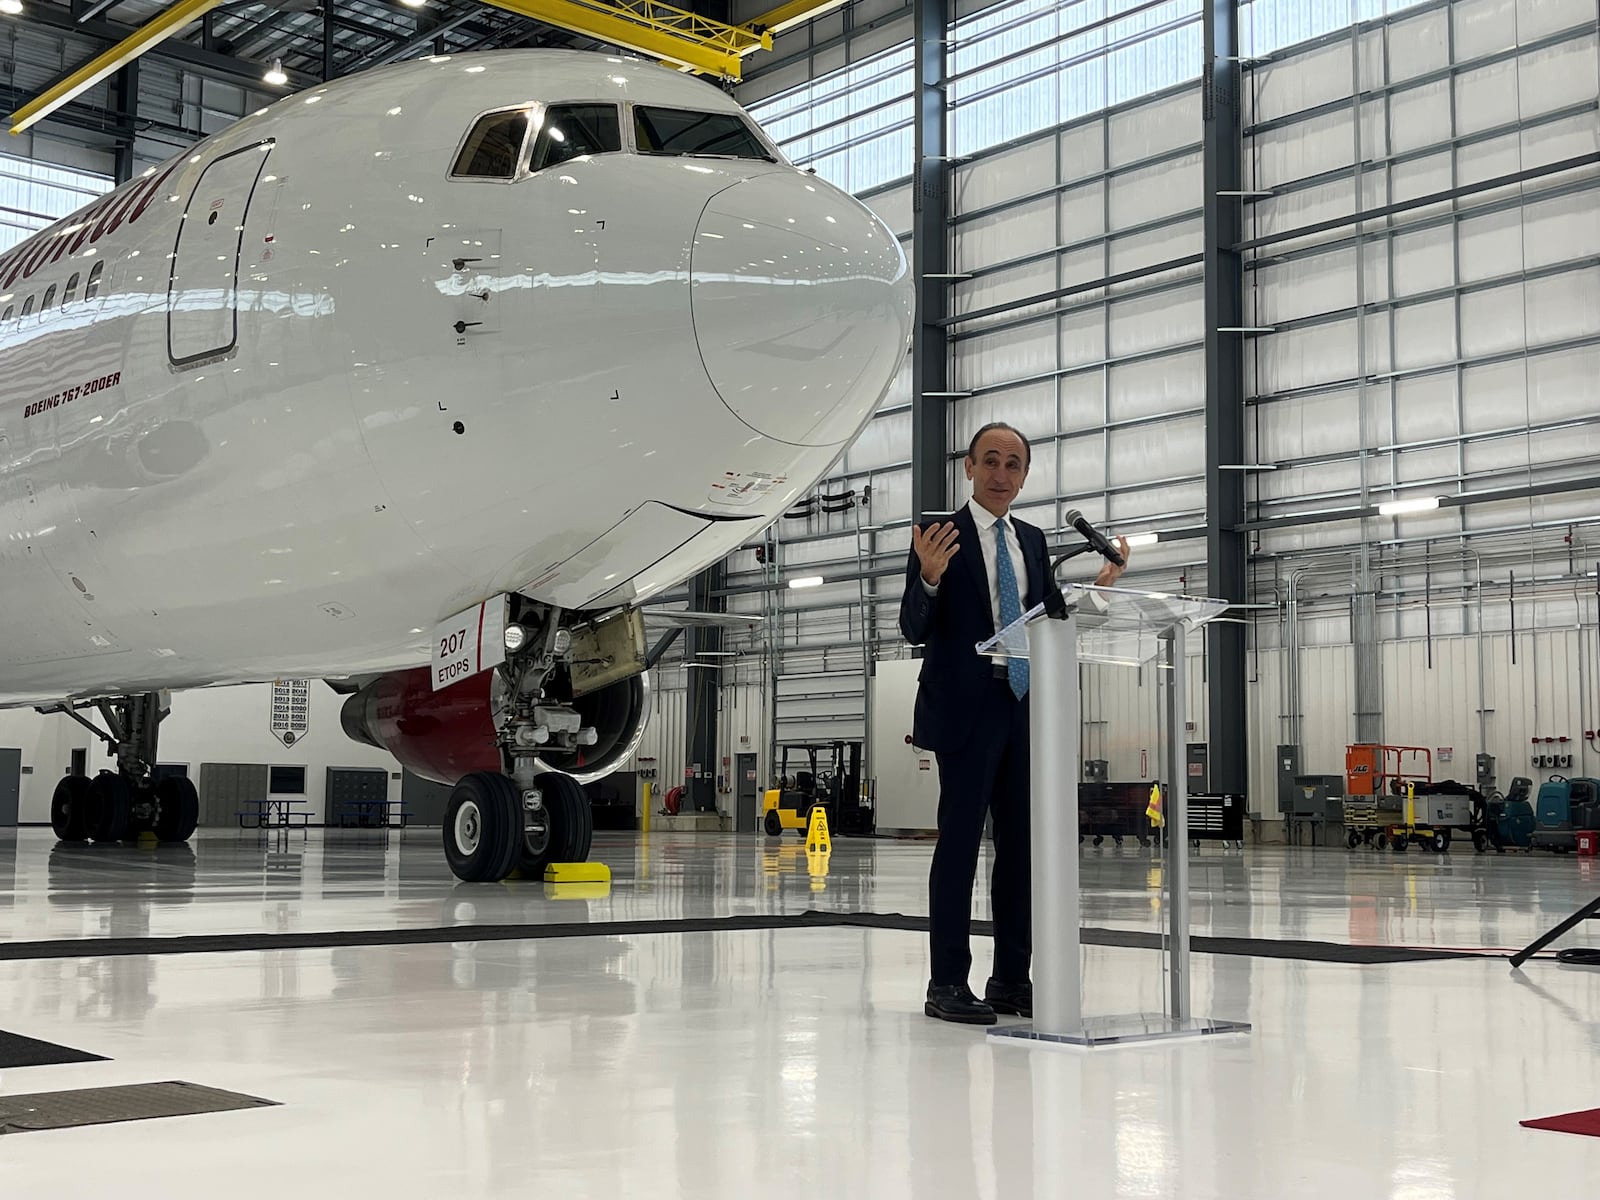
{"x": 1142, "y": 539}
{"x": 806, "y": 581}
{"x": 1416, "y": 504}
{"x": 275, "y": 74}
{"x": 11, "y": 8}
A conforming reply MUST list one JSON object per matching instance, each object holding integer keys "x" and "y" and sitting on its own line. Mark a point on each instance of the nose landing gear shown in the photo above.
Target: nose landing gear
{"x": 528, "y": 816}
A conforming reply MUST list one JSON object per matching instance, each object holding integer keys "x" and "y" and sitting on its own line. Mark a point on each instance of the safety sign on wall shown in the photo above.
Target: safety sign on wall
{"x": 291, "y": 710}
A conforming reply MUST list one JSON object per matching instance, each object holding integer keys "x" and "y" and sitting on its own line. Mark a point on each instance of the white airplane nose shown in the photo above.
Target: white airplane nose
{"x": 802, "y": 306}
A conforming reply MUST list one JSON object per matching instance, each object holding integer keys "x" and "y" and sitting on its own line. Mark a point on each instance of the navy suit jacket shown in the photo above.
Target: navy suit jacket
{"x": 950, "y": 624}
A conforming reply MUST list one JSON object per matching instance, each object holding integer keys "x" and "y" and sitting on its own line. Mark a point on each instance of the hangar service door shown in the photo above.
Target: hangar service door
{"x": 203, "y": 292}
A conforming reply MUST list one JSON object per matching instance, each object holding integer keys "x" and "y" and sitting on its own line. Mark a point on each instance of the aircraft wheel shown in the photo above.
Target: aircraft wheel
{"x": 773, "y": 823}
{"x": 569, "y": 826}
{"x": 177, "y": 809}
{"x": 69, "y": 809}
{"x": 483, "y": 827}
{"x": 110, "y": 807}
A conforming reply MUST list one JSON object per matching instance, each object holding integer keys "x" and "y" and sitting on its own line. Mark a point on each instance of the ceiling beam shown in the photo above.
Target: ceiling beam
{"x": 183, "y": 13}
{"x": 792, "y": 15}
{"x": 423, "y": 39}
{"x": 223, "y": 67}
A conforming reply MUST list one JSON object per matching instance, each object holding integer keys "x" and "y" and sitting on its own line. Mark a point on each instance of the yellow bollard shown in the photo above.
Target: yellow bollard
{"x": 644, "y": 812}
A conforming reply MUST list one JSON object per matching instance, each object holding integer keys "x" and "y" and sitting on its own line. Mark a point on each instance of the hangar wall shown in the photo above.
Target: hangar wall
{"x": 214, "y": 725}
{"x": 1421, "y": 244}
{"x": 1423, "y": 249}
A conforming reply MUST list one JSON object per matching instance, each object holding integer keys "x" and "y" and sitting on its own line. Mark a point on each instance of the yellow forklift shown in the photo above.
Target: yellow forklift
{"x": 788, "y": 805}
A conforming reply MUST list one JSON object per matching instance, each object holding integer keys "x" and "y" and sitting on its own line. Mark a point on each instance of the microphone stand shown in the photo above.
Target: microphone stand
{"x": 1055, "y": 604}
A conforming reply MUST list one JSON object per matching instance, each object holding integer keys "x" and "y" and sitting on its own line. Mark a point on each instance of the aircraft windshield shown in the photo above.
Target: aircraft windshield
{"x": 679, "y": 131}
{"x": 573, "y": 130}
{"x": 492, "y": 148}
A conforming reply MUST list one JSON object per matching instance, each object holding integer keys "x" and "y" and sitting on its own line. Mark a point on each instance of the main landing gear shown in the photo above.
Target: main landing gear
{"x": 529, "y": 816}
{"x": 119, "y": 805}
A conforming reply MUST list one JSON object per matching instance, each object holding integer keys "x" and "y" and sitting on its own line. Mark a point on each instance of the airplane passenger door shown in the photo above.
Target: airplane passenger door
{"x": 203, "y": 291}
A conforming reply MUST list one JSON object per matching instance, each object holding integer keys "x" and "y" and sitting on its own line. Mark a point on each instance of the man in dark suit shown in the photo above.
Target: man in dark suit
{"x": 967, "y": 576}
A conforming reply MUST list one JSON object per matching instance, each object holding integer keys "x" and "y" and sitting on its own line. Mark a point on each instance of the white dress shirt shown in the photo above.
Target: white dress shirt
{"x": 986, "y": 521}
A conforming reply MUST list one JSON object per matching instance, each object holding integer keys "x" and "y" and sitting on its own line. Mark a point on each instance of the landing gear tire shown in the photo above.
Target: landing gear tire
{"x": 69, "y": 809}
{"x": 569, "y": 829}
{"x": 177, "y": 809}
{"x": 483, "y": 827}
{"x": 774, "y": 825}
{"x": 110, "y": 807}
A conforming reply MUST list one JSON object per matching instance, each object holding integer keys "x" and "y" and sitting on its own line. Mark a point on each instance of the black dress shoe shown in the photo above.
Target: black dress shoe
{"x": 1013, "y": 999}
{"x": 955, "y": 1002}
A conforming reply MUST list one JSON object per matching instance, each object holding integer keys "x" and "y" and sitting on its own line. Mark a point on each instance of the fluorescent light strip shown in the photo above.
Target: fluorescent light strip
{"x": 1416, "y": 504}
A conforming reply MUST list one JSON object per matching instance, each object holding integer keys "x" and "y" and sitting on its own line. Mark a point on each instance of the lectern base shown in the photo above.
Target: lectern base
{"x": 1119, "y": 1030}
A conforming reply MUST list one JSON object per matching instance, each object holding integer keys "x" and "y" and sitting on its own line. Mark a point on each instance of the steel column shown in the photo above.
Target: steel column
{"x": 1227, "y": 548}
{"x": 930, "y": 259}
{"x": 703, "y": 686}
{"x": 126, "y": 101}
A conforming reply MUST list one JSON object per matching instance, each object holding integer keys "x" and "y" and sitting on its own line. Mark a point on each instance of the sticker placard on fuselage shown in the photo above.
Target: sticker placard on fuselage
{"x": 67, "y": 395}
{"x": 469, "y": 642}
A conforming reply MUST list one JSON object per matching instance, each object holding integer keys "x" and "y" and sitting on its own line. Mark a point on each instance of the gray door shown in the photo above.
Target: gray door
{"x": 225, "y": 786}
{"x": 10, "y": 786}
{"x": 748, "y": 791}
{"x": 423, "y": 800}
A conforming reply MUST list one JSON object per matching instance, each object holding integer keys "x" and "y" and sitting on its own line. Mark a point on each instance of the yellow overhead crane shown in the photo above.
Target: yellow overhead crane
{"x": 674, "y": 36}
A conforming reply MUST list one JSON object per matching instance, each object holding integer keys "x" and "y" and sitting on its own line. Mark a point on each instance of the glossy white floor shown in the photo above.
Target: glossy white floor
{"x": 788, "y": 1062}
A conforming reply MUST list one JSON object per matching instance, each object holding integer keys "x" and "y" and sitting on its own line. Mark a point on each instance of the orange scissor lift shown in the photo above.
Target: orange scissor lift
{"x": 1371, "y": 772}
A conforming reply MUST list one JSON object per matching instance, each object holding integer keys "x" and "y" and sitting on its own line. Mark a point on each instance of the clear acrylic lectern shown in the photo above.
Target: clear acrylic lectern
{"x": 1119, "y": 628}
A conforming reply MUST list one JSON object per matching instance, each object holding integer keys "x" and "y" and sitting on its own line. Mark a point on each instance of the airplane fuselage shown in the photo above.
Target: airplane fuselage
{"x": 325, "y": 393}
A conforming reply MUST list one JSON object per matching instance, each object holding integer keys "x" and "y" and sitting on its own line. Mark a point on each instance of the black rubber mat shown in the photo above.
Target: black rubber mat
{"x": 232, "y": 943}
{"x": 19, "y": 1051}
{"x": 1329, "y": 952}
{"x": 113, "y": 1105}
{"x": 229, "y": 943}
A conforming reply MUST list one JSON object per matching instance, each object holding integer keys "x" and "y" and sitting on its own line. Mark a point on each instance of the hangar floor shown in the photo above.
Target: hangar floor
{"x": 673, "y": 1056}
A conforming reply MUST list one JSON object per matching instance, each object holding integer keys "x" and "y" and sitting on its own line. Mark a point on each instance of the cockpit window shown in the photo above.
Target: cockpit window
{"x": 572, "y": 130}
{"x": 493, "y": 147}
{"x": 677, "y": 131}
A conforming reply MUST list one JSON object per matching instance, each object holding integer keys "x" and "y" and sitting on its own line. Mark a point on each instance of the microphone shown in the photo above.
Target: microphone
{"x": 1097, "y": 540}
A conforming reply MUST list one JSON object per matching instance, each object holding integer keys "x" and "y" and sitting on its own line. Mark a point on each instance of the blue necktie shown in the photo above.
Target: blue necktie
{"x": 1010, "y": 606}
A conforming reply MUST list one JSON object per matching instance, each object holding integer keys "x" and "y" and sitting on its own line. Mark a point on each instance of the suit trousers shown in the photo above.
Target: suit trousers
{"x": 990, "y": 774}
